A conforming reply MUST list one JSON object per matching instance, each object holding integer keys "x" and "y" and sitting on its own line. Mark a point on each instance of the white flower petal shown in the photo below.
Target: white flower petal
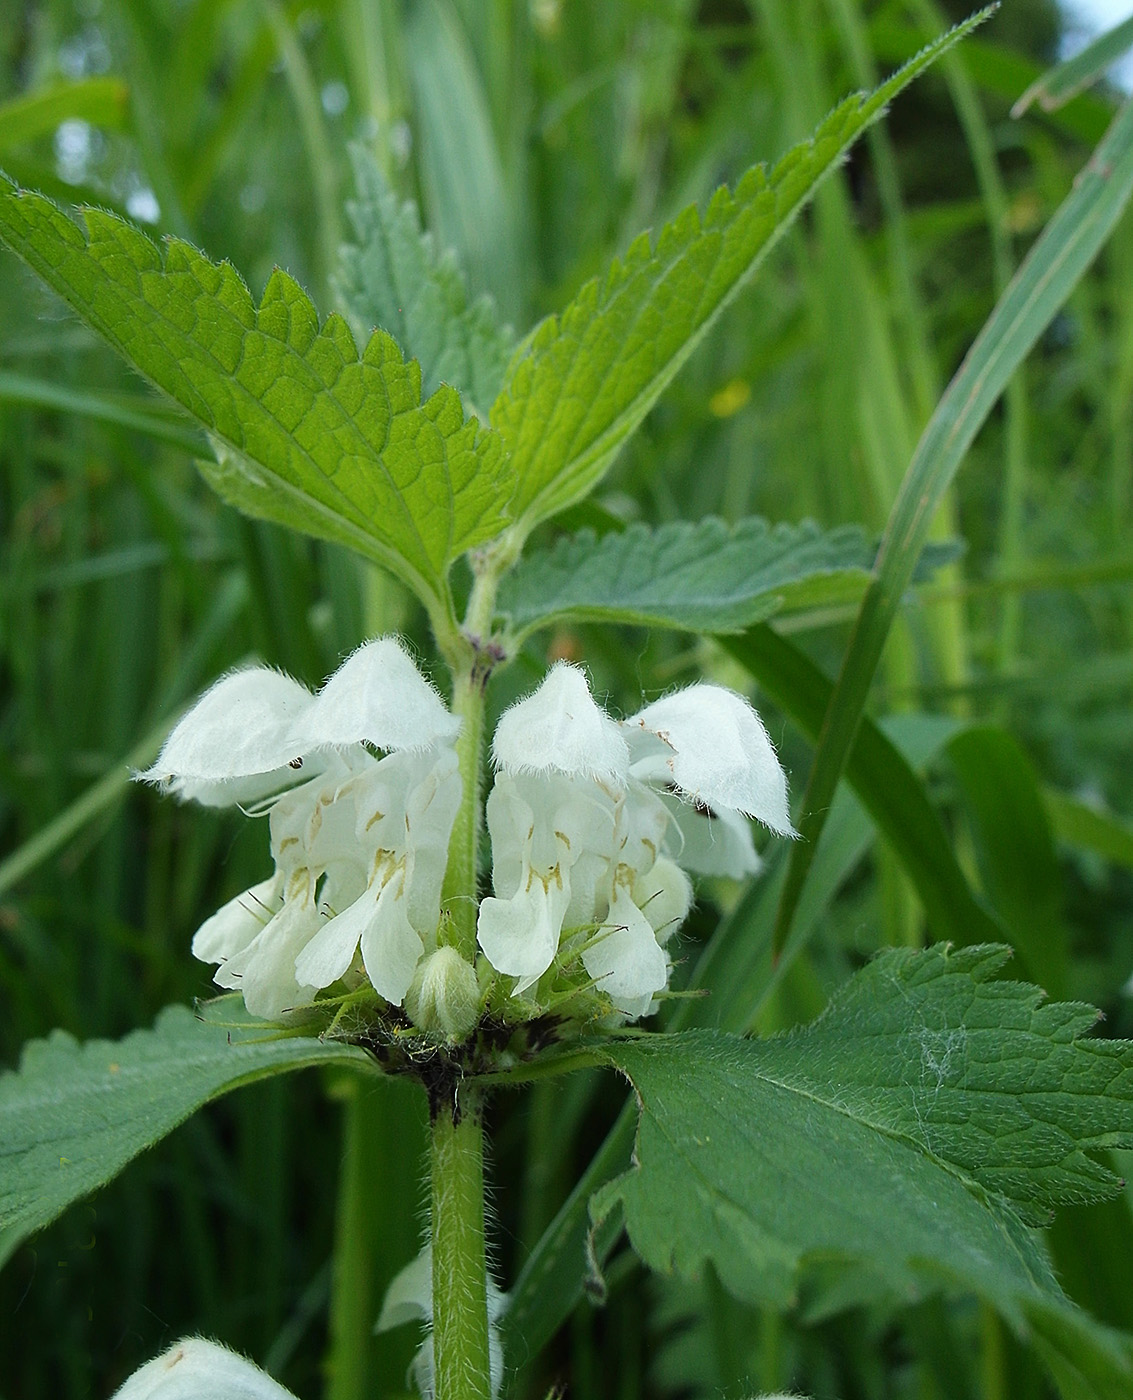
{"x": 430, "y": 813}
{"x": 559, "y": 728}
{"x": 391, "y": 946}
{"x": 330, "y": 952}
{"x": 716, "y": 843}
{"x": 194, "y": 1369}
{"x": 265, "y": 970}
{"x": 239, "y": 729}
{"x": 721, "y": 754}
{"x": 664, "y": 896}
{"x": 520, "y": 936}
{"x": 409, "y": 1297}
{"x": 625, "y": 959}
{"x": 237, "y": 923}
{"x": 378, "y": 696}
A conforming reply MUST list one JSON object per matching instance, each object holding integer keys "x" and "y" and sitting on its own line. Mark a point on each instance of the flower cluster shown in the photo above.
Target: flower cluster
{"x": 360, "y": 843}
{"x": 593, "y": 824}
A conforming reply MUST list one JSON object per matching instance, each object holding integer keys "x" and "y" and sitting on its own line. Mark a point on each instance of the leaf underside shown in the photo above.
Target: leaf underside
{"x": 332, "y": 443}
{"x": 703, "y": 577}
{"x": 73, "y": 1115}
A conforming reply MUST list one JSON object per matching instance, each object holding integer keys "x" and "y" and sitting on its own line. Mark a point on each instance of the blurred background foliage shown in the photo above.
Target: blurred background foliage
{"x": 537, "y": 137}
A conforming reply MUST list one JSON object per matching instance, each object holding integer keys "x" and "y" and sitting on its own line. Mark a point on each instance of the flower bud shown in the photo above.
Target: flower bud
{"x": 194, "y": 1369}
{"x": 444, "y": 995}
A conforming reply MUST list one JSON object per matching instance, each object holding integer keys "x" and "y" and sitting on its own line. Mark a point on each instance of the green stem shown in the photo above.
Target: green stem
{"x": 460, "y": 877}
{"x": 460, "y": 1280}
{"x": 471, "y": 658}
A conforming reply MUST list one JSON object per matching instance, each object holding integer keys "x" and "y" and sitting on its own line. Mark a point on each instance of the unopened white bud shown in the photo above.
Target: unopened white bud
{"x": 444, "y": 995}
{"x": 194, "y": 1369}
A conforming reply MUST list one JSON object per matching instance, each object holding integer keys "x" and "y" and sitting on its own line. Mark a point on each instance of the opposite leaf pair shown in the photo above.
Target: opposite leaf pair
{"x": 591, "y": 823}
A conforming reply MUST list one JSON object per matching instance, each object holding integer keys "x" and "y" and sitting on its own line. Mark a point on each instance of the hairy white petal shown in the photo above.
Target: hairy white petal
{"x": 430, "y": 813}
{"x": 391, "y": 946}
{"x": 240, "y": 728}
{"x": 378, "y": 696}
{"x": 330, "y": 952}
{"x": 559, "y": 728}
{"x": 237, "y": 923}
{"x": 664, "y": 896}
{"x": 721, "y": 755}
{"x": 712, "y": 843}
{"x": 520, "y": 935}
{"x": 194, "y": 1369}
{"x": 409, "y": 1297}
{"x": 625, "y": 958}
{"x": 264, "y": 971}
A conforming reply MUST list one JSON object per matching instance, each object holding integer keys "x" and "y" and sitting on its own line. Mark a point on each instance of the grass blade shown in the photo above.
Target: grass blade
{"x": 1044, "y": 281}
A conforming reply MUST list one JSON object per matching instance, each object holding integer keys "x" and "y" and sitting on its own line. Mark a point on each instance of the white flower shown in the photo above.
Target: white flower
{"x": 405, "y": 806}
{"x": 551, "y": 817}
{"x": 194, "y": 1369}
{"x": 591, "y": 823}
{"x": 409, "y": 1298}
{"x": 708, "y": 750}
{"x": 360, "y": 844}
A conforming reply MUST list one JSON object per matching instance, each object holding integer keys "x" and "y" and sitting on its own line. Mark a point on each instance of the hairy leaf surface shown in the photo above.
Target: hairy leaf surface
{"x": 337, "y": 444}
{"x": 394, "y": 276}
{"x": 706, "y": 577}
{"x": 890, "y": 1142}
{"x": 73, "y": 1115}
{"x": 588, "y": 376}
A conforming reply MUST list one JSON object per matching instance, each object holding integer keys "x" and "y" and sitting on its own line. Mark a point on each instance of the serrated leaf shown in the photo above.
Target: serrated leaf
{"x": 395, "y": 276}
{"x": 588, "y": 376}
{"x": 705, "y": 577}
{"x": 73, "y": 1115}
{"x": 342, "y": 445}
{"x": 889, "y": 1141}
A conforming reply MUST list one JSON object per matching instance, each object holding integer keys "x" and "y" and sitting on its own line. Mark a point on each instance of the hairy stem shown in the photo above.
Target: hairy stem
{"x": 460, "y": 1285}
{"x": 472, "y": 658}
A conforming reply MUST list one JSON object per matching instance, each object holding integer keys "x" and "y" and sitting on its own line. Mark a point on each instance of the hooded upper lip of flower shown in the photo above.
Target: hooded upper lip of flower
{"x": 254, "y": 732}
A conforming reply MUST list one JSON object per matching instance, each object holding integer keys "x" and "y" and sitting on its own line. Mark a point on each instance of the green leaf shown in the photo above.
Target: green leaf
{"x": 705, "y": 577}
{"x": 141, "y": 412}
{"x": 1080, "y": 824}
{"x": 333, "y": 444}
{"x": 101, "y": 100}
{"x": 587, "y": 377}
{"x": 888, "y": 1144}
{"x": 73, "y": 1115}
{"x": 736, "y": 968}
{"x": 1066, "y": 80}
{"x": 395, "y": 276}
{"x": 1014, "y": 845}
{"x": 1048, "y": 275}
